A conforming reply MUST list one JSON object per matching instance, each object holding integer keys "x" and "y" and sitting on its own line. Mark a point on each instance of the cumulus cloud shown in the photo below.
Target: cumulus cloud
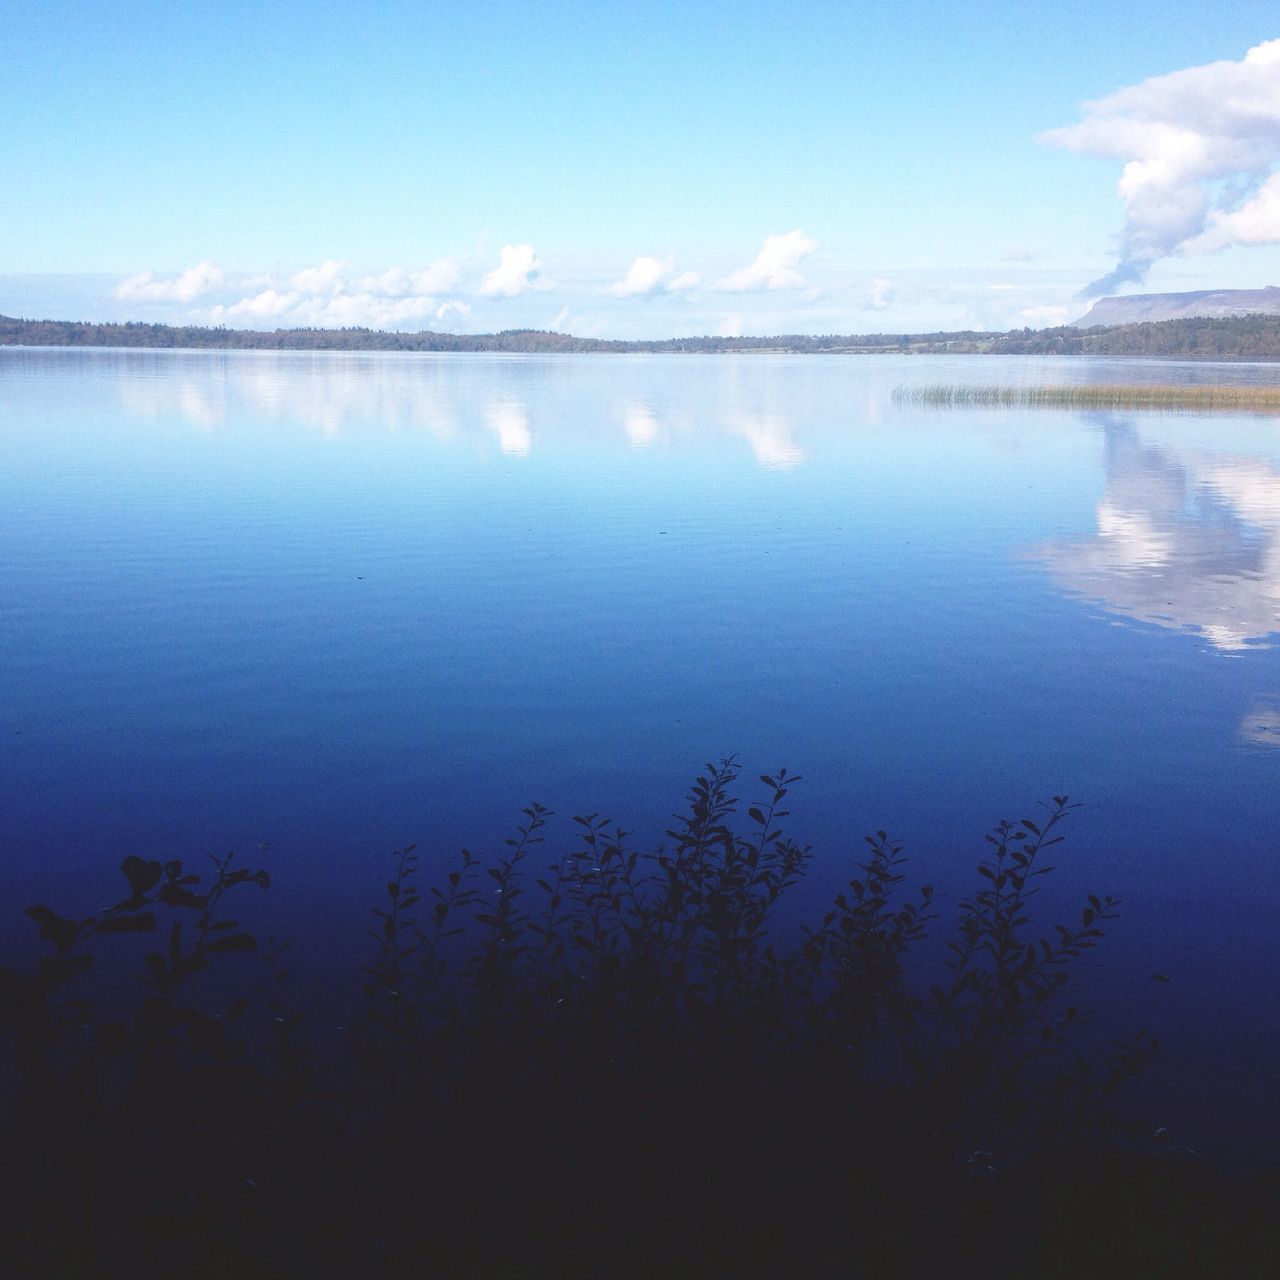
{"x": 328, "y": 278}
{"x": 1255, "y": 221}
{"x": 879, "y": 295}
{"x": 331, "y": 294}
{"x": 643, "y": 277}
{"x": 459, "y": 309}
{"x": 1198, "y": 147}
{"x": 144, "y": 287}
{"x": 774, "y": 266}
{"x": 269, "y": 302}
{"x": 439, "y": 277}
{"x": 648, "y": 276}
{"x": 516, "y": 270}
{"x": 337, "y": 310}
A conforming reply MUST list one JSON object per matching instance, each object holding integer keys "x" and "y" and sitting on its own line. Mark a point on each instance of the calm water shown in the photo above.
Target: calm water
{"x": 337, "y": 603}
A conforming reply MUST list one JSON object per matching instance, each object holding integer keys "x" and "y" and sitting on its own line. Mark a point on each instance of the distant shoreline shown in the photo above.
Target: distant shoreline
{"x": 1249, "y": 338}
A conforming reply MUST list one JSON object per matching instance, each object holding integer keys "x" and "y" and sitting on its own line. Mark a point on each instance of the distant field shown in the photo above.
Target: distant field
{"x": 1094, "y": 396}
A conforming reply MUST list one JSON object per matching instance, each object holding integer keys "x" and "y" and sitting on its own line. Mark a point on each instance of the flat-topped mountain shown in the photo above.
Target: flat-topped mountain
{"x": 1140, "y": 308}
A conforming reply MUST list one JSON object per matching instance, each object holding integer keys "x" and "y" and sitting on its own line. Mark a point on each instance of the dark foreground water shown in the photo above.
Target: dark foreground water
{"x": 331, "y": 604}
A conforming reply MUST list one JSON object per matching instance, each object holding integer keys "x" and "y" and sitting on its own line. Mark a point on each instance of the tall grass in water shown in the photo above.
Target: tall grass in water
{"x": 603, "y": 1060}
{"x": 1222, "y": 399}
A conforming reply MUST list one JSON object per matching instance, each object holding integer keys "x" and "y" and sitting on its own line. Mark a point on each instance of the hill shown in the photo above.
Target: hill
{"x": 1210, "y": 303}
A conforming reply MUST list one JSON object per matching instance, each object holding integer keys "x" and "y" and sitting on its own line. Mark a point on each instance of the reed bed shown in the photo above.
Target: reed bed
{"x": 1222, "y": 399}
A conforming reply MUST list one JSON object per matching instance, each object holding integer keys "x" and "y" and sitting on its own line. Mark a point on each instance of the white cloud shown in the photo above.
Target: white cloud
{"x": 398, "y": 282}
{"x": 269, "y": 302}
{"x": 329, "y": 277}
{"x": 879, "y": 295}
{"x": 643, "y": 277}
{"x": 515, "y": 272}
{"x": 459, "y": 309}
{"x": 337, "y": 310}
{"x": 560, "y": 320}
{"x": 391, "y": 282}
{"x": 440, "y": 277}
{"x": 730, "y": 326}
{"x": 144, "y": 287}
{"x": 365, "y": 310}
{"x": 774, "y": 266}
{"x": 1198, "y": 147}
{"x": 648, "y": 276}
{"x": 1255, "y": 221}
{"x": 332, "y": 295}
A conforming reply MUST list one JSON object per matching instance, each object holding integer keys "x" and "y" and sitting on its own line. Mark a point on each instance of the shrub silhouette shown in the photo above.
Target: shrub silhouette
{"x": 606, "y": 1061}
{"x": 608, "y": 952}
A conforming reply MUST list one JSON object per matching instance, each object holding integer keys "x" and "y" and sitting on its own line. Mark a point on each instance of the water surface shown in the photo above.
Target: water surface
{"x": 335, "y": 603}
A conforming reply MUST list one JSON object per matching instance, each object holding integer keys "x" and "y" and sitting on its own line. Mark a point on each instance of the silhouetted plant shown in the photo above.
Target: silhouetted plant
{"x": 509, "y": 1005}
{"x": 994, "y": 1020}
{"x": 49, "y": 1020}
{"x": 674, "y": 952}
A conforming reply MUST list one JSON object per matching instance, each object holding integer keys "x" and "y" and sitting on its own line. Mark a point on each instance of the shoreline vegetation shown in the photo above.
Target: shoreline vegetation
{"x": 1250, "y": 337}
{"x": 604, "y": 1060}
{"x": 1188, "y": 398}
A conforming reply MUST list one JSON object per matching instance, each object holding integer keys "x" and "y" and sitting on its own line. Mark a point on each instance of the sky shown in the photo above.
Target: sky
{"x": 633, "y": 170}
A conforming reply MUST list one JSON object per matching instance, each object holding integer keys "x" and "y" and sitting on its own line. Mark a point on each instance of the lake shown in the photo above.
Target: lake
{"x": 331, "y": 604}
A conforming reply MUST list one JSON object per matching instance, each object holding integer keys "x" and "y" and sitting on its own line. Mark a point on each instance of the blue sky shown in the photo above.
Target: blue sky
{"x": 632, "y": 170}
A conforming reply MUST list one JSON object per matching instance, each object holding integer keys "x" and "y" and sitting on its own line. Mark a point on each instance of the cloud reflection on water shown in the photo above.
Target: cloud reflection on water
{"x": 1186, "y": 539}
{"x": 509, "y": 420}
{"x": 331, "y": 395}
{"x": 641, "y": 425}
{"x": 338, "y": 394}
{"x": 1261, "y": 723}
{"x": 769, "y": 435}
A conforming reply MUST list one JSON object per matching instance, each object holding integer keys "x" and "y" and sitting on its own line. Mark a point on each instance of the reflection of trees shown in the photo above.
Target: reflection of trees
{"x": 1189, "y": 541}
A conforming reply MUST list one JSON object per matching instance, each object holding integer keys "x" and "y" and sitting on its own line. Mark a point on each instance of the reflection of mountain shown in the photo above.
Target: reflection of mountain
{"x": 1189, "y": 541}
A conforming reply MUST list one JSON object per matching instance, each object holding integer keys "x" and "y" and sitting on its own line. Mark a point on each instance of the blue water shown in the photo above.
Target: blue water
{"x": 332, "y": 604}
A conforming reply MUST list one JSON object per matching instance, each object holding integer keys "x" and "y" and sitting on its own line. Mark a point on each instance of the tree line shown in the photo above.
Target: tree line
{"x": 1251, "y": 337}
